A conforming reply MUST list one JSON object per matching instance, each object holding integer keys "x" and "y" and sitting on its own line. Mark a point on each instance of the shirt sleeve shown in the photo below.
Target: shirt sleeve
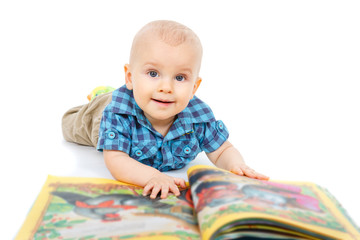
{"x": 214, "y": 135}
{"x": 114, "y": 133}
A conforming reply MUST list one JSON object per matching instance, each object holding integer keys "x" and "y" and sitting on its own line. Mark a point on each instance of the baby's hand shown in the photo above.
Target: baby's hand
{"x": 244, "y": 170}
{"x": 165, "y": 184}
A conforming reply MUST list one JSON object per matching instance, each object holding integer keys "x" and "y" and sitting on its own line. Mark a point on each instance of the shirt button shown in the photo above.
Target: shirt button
{"x": 111, "y": 135}
{"x": 220, "y": 125}
{"x": 187, "y": 150}
{"x": 138, "y": 153}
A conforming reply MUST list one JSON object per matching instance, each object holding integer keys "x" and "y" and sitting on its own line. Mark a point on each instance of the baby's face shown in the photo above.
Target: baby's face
{"x": 163, "y": 78}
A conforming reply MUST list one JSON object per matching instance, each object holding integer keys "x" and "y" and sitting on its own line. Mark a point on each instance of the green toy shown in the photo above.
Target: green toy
{"x": 98, "y": 91}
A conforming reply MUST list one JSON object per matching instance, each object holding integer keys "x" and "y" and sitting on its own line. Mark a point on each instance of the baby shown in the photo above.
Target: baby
{"x": 155, "y": 123}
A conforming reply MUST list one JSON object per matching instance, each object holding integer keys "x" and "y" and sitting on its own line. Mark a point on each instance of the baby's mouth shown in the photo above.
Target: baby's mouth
{"x": 162, "y": 101}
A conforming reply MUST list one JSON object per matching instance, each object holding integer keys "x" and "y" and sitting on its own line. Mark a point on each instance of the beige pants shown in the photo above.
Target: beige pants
{"x": 81, "y": 124}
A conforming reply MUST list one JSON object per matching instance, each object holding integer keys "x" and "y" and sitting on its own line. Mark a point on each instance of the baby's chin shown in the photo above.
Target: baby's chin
{"x": 159, "y": 117}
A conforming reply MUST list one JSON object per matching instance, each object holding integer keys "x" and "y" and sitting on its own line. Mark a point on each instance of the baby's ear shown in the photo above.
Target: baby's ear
{"x": 196, "y": 85}
{"x": 128, "y": 80}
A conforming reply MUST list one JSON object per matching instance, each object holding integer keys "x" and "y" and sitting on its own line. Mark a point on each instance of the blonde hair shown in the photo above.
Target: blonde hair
{"x": 170, "y": 32}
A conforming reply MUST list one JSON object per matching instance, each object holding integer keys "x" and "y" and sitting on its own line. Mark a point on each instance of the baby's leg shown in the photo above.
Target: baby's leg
{"x": 81, "y": 124}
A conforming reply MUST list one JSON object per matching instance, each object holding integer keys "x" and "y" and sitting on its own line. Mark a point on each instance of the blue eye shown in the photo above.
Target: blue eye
{"x": 153, "y": 74}
{"x": 179, "y": 78}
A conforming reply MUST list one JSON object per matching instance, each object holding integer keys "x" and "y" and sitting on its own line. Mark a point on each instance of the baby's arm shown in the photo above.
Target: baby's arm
{"x": 126, "y": 169}
{"x": 229, "y": 158}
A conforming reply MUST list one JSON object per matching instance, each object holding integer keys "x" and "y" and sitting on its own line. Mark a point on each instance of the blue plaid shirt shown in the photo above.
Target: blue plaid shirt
{"x": 125, "y": 128}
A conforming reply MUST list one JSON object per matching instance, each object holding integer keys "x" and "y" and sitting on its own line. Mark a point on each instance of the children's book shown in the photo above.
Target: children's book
{"x": 216, "y": 205}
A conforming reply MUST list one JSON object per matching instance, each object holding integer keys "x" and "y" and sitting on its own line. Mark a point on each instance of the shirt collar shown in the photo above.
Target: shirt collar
{"x": 123, "y": 102}
{"x": 197, "y": 111}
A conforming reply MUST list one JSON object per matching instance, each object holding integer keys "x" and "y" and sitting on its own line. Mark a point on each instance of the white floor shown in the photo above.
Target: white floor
{"x": 283, "y": 76}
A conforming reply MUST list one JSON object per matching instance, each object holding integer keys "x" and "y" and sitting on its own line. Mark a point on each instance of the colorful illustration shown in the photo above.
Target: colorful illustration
{"x": 223, "y": 202}
{"x": 105, "y": 209}
{"x": 220, "y": 205}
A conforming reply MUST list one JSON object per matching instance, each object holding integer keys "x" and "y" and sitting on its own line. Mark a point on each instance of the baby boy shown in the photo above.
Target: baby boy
{"x": 155, "y": 123}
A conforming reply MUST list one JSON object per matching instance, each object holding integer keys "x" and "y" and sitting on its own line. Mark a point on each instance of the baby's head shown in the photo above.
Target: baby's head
{"x": 163, "y": 71}
{"x": 169, "y": 32}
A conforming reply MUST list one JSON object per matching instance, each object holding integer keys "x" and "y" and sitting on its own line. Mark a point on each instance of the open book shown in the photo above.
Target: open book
{"x": 217, "y": 205}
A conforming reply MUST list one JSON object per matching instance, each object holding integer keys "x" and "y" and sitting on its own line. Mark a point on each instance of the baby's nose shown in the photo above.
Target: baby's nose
{"x": 165, "y": 85}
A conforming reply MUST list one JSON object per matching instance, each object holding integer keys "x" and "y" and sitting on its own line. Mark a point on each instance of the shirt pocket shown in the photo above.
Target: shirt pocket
{"x": 141, "y": 151}
{"x": 187, "y": 149}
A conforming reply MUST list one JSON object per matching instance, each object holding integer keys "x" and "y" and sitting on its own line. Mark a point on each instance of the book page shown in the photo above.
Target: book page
{"x": 226, "y": 201}
{"x": 91, "y": 208}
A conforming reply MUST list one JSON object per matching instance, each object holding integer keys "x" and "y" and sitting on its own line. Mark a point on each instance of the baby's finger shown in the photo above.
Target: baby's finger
{"x": 238, "y": 171}
{"x": 155, "y": 191}
{"x": 249, "y": 172}
{"x": 175, "y": 190}
{"x": 261, "y": 176}
{"x": 180, "y": 182}
{"x": 164, "y": 192}
{"x": 147, "y": 189}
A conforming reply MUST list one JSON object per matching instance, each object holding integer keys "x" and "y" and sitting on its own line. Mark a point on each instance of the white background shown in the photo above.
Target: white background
{"x": 283, "y": 75}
